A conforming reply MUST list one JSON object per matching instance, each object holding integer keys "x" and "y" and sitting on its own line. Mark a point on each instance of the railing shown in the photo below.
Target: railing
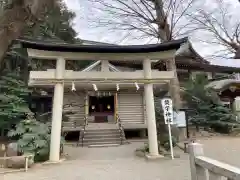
{"x": 122, "y": 134}
{"x": 83, "y": 131}
{"x": 204, "y": 168}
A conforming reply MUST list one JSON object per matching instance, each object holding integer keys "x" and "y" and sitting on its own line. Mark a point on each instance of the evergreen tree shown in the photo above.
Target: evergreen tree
{"x": 57, "y": 26}
{"x": 13, "y": 99}
{"x": 210, "y": 112}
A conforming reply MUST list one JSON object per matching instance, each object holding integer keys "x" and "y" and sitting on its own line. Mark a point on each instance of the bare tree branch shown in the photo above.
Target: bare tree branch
{"x": 221, "y": 25}
{"x": 150, "y": 19}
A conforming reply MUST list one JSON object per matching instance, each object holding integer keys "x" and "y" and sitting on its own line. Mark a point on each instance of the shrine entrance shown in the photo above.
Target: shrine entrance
{"x": 143, "y": 55}
{"x": 102, "y": 108}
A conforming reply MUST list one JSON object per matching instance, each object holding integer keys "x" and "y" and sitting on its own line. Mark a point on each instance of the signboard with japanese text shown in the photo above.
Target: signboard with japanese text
{"x": 167, "y": 110}
{"x": 168, "y": 118}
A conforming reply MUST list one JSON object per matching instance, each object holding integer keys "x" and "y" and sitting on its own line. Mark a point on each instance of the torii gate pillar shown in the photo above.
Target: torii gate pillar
{"x": 57, "y": 112}
{"x": 150, "y": 111}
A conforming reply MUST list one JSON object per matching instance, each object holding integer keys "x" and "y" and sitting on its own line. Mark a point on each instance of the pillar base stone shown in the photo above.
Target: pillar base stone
{"x": 49, "y": 162}
{"x": 153, "y": 157}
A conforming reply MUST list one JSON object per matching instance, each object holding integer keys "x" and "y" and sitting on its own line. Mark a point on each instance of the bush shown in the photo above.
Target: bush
{"x": 32, "y": 137}
{"x": 13, "y": 99}
{"x": 209, "y": 110}
{"x": 164, "y": 142}
{"x": 224, "y": 128}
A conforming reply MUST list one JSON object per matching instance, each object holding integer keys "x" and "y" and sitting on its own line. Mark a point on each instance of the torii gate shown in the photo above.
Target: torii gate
{"x": 58, "y": 77}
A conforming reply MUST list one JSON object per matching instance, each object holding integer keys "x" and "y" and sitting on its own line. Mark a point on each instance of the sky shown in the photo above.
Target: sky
{"x": 85, "y": 29}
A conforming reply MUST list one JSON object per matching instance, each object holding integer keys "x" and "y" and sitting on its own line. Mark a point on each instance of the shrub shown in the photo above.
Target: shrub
{"x": 13, "y": 99}
{"x": 32, "y": 137}
{"x": 209, "y": 111}
{"x": 164, "y": 142}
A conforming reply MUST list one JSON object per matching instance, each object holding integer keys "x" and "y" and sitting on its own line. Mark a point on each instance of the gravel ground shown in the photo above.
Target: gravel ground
{"x": 119, "y": 163}
{"x": 225, "y": 149}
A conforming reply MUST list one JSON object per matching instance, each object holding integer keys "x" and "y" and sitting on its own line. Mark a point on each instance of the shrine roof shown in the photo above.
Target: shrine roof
{"x": 207, "y": 67}
{"x": 65, "y": 47}
{"x": 223, "y": 84}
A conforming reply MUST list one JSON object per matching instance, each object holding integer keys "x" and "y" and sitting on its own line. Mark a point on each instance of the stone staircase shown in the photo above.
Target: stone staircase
{"x": 101, "y": 135}
{"x": 75, "y": 122}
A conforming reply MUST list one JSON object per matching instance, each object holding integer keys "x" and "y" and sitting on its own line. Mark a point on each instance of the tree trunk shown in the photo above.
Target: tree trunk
{"x": 174, "y": 84}
{"x": 165, "y": 34}
{"x": 13, "y": 21}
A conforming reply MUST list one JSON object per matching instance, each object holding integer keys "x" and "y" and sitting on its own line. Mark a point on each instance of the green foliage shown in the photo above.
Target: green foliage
{"x": 209, "y": 111}
{"x": 163, "y": 145}
{"x": 32, "y": 137}
{"x": 164, "y": 142}
{"x": 13, "y": 99}
{"x": 195, "y": 92}
{"x": 57, "y": 26}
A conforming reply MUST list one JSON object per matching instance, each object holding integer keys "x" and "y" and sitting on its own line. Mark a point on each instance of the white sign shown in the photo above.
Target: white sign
{"x": 179, "y": 118}
{"x": 167, "y": 110}
{"x": 168, "y": 117}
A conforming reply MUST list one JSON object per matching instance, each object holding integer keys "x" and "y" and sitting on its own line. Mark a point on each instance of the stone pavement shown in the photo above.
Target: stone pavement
{"x": 119, "y": 163}
{"x": 225, "y": 149}
{"x": 113, "y": 163}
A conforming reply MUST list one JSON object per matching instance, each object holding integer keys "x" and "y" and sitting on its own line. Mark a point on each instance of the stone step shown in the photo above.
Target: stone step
{"x": 73, "y": 122}
{"x": 103, "y": 145}
{"x": 101, "y": 130}
{"x": 75, "y": 117}
{"x": 101, "y": 139}
{"x": 66, "y": 129}
{"x": 117, "y": 134}
{"x": 100, "y": 143}
{"x": 102, "y": 126}
{"x": 100, "y": 133}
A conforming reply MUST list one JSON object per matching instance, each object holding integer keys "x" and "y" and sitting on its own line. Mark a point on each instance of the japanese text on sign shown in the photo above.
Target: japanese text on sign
{"x": 167, "y": 110}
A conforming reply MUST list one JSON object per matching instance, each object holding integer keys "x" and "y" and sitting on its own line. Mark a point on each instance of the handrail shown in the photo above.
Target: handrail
{"x": 84, "y": 129}
{"x": 205, "y": 168}
{"x": 120, "y": 127}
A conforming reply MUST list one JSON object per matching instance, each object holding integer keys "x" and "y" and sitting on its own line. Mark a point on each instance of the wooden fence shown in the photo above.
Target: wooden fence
{"x": 204, "y": 168}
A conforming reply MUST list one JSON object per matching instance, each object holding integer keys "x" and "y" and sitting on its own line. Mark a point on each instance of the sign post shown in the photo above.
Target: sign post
{"x": 168, "y": 119}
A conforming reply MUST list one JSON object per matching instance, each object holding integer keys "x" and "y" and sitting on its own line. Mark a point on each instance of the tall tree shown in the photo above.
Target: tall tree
{"x": 152, "y": 19}
{"x": 210, "y": 112}
{"x": 16, "y": 16}
{"x": 222, "y": 25}
{"x": 56, "y": 26}
{"x": 13, "y": 99}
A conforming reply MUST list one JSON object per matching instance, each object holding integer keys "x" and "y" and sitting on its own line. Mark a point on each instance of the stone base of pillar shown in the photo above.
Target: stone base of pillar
{"x": 153, "y": 158}
{"x": 54, "y": 162}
